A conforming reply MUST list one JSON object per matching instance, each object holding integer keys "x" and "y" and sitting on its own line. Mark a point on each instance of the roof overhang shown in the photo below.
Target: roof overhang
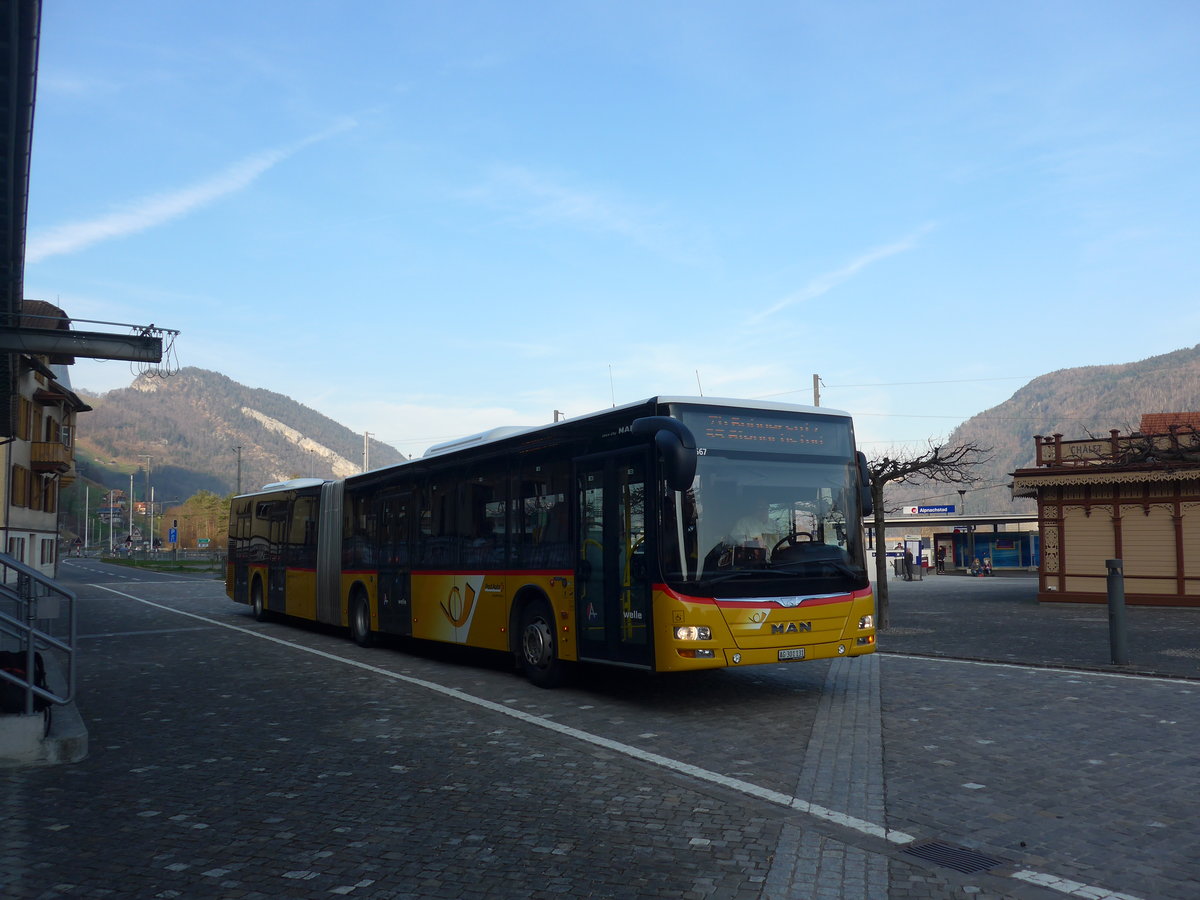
{"x": 1026, "y": 483}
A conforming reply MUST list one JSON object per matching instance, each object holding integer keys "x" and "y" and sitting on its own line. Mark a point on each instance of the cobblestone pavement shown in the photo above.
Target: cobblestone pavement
{"x": 244, "y": 760}
{"x": 1000, "y": 619}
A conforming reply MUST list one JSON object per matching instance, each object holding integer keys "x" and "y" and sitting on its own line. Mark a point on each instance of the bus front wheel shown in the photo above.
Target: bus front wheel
{"x": 360, "y": 621}
{"x": 538, "y": 650}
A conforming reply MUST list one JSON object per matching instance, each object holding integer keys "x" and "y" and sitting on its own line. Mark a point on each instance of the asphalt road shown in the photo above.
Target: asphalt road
{"x": 230, "y": 758}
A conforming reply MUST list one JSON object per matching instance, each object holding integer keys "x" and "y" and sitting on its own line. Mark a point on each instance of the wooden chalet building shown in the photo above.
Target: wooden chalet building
{"x": 1132, "y": 497}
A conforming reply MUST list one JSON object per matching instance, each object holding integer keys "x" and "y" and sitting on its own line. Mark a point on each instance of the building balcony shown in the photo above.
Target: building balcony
{"x": 50, "y": 456}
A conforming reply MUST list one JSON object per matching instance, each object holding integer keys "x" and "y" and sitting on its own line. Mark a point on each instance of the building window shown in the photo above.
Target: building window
{"x": 19, "y": 488}
{"x": 47, "y": 551}
{"x": 16, "y": 548}
{"x": 37, "y": 492}
{"x": 24, "y": 417}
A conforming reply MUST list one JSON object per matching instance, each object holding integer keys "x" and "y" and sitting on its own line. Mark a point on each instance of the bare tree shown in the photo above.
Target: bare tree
{"x": 1180, "y": 446}
{"x": 937, "y": 463}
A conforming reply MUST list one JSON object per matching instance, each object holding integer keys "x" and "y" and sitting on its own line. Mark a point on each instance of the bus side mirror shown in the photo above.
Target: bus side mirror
{"x": 675, "y": 445}
{"x": 864, "y": 489}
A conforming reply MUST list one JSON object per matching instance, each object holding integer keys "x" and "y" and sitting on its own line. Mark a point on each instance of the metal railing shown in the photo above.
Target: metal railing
{"x": 36, "y": 614}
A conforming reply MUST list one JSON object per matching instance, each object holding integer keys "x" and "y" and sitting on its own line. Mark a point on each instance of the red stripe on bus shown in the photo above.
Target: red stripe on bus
{"x": 527, "y": 573}
{"x": 748, "y": 601}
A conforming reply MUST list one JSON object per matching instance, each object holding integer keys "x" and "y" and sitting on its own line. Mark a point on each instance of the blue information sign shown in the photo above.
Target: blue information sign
{"x": 935, "y": 509}
{"x": 172, "y": 535}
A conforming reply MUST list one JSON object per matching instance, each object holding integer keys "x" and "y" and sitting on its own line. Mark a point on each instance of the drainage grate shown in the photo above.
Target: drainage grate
{"x": 958, "y": 858}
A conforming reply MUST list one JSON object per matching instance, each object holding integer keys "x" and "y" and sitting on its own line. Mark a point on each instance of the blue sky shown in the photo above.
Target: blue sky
{"x": 429, "y": 219}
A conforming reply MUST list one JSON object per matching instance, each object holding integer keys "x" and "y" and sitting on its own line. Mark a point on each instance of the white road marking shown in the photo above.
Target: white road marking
{"x": 1049, "y": 670}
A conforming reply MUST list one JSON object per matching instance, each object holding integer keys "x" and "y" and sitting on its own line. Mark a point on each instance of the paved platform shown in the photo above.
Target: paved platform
{"x": 235, "y": 759}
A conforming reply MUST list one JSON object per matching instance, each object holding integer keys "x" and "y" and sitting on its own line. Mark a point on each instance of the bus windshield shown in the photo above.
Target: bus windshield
{"x": 759, "y": 523}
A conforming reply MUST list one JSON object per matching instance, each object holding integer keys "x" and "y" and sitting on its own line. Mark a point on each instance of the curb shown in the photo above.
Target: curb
{"x": 22, "y": 742}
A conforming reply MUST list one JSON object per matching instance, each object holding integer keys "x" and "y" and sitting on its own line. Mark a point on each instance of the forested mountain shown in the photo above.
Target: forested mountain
{"x": 1075, "y": 403}
{"x": 190, "y": 426}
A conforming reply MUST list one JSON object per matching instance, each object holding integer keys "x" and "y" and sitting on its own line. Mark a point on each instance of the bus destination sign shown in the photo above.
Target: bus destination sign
{"x": 765, "y": 431}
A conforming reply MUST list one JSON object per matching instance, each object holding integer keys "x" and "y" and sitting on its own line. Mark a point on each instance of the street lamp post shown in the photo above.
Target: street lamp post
{"x": 238, "y": 450}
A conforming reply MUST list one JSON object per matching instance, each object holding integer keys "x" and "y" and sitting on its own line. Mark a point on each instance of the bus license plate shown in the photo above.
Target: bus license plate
{"x": 797, "y": 653}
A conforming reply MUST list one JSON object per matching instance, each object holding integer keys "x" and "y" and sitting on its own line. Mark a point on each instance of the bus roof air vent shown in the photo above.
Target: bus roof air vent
{"x": 474, "y": 440}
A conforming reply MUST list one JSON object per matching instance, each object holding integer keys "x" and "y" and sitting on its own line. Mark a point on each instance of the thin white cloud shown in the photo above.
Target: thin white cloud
{"x": 827, "y": 281}
{"x": 538, "y": 200}
{"x": 158, "y": 209}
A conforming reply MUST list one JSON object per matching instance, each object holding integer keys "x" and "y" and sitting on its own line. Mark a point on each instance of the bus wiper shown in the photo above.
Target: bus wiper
{"x": 806, "y": 568}
{"x": 735, "y": 574}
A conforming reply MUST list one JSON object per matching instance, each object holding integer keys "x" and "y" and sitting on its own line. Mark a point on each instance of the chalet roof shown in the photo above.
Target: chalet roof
{"x": 1160, "y": 423}
{"x": 42, "y": 314}
{"x": 1164, "y": 449}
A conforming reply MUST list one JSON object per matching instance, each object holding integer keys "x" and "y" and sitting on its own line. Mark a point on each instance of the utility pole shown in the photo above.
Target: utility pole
{"x": 816, "y": 390}
{"x": 149, "y": 507}
{"x": 366, "y": 450}
{"x": 238, "y": 450}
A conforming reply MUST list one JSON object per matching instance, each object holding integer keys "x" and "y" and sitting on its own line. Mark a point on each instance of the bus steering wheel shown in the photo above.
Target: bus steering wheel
{"x": 792, "y": 540}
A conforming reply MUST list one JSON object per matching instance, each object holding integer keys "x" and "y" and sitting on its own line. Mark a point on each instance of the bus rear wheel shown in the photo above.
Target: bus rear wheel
{"x": 537, "y": 651}
{"x": 257, "y": 608}
{"x": 360, "y": 621}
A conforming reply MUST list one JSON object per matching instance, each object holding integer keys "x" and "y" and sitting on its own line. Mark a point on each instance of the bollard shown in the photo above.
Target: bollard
{"x": 1117, "y": 637}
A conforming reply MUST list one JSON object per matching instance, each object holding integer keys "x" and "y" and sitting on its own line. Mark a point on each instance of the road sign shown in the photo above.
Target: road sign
{"x": 202, "y": 543}
{"x": 172, "y": 535}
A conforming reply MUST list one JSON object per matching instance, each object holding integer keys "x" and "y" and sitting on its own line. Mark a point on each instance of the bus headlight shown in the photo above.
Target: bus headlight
{"x": 693, "y": 633}
{"x": 866, "y": 622}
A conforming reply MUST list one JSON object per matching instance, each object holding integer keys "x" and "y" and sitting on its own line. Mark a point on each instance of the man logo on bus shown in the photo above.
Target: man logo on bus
{"x": 791, "y": 627}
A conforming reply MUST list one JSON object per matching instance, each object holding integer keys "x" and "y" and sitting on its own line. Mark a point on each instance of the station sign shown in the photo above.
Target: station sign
{"x": 928, "y": 510}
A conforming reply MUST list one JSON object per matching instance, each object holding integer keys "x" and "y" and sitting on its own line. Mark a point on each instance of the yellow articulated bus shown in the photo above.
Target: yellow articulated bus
{"x": 672, "y": 534}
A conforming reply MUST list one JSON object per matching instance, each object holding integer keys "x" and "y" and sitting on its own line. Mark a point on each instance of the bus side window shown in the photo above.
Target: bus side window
{"x": 302, "y": 532}
{"x": 358, "y": 532}
{"x": 483, "y": 526}
{"x": 438, "y": 540}
{"x": 545, "y": 518}
{"x": 394, "y": 530}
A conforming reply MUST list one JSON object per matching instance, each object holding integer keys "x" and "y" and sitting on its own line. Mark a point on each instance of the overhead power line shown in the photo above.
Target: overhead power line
{"x": 898, "y": 384}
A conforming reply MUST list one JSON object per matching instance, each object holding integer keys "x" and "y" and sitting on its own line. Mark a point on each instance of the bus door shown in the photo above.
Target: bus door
{"x": 612, "y": 582}
{"x": 395, "y": 515}
{"x": 277, "y": 555}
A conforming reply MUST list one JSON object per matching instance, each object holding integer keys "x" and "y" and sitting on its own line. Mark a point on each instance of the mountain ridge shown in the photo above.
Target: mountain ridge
{"x": 1075, "y": 402}
{"x": 199, "y": 427}
{"x": 191, "y": 425}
